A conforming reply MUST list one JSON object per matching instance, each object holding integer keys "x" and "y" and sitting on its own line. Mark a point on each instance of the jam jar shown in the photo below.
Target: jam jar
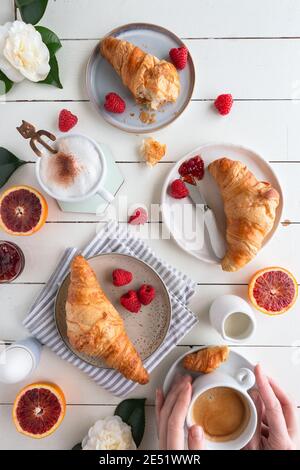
{"x": 12, "y": 261}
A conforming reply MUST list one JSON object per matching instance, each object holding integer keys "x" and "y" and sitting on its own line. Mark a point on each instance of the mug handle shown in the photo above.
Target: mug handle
{"x": 106, "y": 195}
{"x": 245, "y": 378}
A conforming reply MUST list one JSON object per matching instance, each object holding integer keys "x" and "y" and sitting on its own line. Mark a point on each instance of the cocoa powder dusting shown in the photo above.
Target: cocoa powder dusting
{"x": 64, "y": 168}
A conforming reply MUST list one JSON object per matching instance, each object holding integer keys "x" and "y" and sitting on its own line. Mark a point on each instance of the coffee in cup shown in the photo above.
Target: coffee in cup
{"x": 222, "y": 412}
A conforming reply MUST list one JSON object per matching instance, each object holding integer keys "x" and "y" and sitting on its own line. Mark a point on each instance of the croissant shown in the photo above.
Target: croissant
{"x": 94, "y": 326}
{"x": 250, "y": 208}
{"x": 150, "y": 80}
{"x": 206, "y": 360}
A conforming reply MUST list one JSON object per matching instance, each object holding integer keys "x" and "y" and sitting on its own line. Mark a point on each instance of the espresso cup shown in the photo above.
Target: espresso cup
{"x": 236, "y": 386}
{"x": 98, "y": 188}
{"x": 233, "y": 318}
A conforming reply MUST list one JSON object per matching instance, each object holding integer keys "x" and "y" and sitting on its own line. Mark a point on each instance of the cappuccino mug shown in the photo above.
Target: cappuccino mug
{"x": 98, "y": 170}
{"x": 222, "y": 406}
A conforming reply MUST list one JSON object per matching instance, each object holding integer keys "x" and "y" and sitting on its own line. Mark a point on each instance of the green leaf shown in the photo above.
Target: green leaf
{"x": 53, "y": 76}
{"x": 5, "y": 84}
{"x": 8, "y": 164}
{"x": 132, "y": 412}
{"x": 32, "y": 10}
{"x": 77, "y": 447}
{"x": 50, "y": 39}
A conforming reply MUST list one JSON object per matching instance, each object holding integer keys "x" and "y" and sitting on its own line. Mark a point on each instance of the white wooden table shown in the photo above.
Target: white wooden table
{"x": 250, "y": 48}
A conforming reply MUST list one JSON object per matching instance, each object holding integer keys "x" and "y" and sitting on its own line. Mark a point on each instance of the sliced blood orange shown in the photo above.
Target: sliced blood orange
{"x": 39, "y": 409}
{"x": 23, "y": 210}
{"x": 273, "y": 290}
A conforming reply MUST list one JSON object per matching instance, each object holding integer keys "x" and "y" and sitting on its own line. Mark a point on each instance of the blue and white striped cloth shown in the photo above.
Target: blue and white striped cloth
{"x": 40, "y": 319}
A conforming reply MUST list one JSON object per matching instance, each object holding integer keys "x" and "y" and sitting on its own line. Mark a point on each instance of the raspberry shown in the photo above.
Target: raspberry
{"x": 179, "y": 57}
{"x": 121, "y": 277}
{"x": 66, "y": 120}
{"x": 224, "y": 104}
{"x": 146, "y": 294}
{"x": 130, "y": 301}
{"x": 178, "y": 189}
{"x": 139, "y": 217}
{"x": 192, "y": 169}
{"x": 114, "y": 103}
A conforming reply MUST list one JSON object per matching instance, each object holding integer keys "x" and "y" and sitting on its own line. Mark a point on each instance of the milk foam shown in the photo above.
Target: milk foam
{"x": 88, "y": 164}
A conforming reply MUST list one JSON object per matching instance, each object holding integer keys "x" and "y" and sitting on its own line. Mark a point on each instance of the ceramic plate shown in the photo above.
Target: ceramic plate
{"x": 234, "y": 363}
{"x": 102, "y": 79}
{"x": 173, "y": 214}
{"x": 147, "y": 329}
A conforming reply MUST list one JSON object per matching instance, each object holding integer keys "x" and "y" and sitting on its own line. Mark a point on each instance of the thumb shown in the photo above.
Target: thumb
{"x": 196, "y": 440}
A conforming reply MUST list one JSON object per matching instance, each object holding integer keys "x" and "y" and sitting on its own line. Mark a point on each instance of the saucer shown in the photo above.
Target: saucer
{"x": 112, "y": 183}
{"x": 234, "y": 363}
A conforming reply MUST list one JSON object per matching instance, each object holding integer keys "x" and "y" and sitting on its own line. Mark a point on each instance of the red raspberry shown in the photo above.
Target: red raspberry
{"x": 66, "y": 120}
{"x": 130, "y": 301}
{"x": 179, "y": 56}
{"x": 114, "y": 103}
{"x": 178, "y": 189}
{"x": 139, "y": 217}
{"x": 192, "y": 169}
{"x": 146, "y": 294}
{"x": 121, "y": 277}
{"x": 224, "y": 104}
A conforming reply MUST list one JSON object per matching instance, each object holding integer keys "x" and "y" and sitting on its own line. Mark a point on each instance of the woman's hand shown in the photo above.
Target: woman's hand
{"x": 277, "y": 426}
{"x": 171, "y": 413}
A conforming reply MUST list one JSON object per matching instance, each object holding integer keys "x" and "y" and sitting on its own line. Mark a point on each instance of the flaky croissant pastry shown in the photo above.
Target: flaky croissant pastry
{"x": 250, "y": 208}
{"x": 150, "y": 80}
{"x": 206, "y": 360}
{"x": 94, "y": 326}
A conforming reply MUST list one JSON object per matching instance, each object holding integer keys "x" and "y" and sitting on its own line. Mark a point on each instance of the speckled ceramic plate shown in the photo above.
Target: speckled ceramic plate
{"x": 102, "y": 79}
{"x": 147, "y": 329}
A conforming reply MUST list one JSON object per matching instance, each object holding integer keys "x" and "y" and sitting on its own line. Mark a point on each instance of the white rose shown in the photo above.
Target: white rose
{"x": 109, "y": 434}
{"x": 23, "y": 53}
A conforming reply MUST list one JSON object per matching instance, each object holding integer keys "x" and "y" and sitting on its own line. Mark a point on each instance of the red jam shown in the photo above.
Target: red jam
{"x": 192, "y": 170}
{"x": 12, "y": 261}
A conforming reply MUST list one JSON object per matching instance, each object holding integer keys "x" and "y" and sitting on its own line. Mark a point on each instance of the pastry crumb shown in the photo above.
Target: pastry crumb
{"x": 152, "y": 151}
{"x": 147, "y": 118}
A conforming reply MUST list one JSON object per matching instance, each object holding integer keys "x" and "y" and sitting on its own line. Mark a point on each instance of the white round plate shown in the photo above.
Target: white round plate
{"x": 181, "y": 226}
{"x": 234, "y": 363}
{"x": 101, "y": 79}
{"x": 146, "y": 329}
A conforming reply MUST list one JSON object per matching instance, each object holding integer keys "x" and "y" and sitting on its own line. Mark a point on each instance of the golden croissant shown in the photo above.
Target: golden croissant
{"x": 206, "y": 360}
{"x": 250, "y": 208}
{"x": 94, "y": 326}
{"x": 150, "y": 80}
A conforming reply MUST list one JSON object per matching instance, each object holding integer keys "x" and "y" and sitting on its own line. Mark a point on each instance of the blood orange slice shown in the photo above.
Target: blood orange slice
{"x": 23, "y": 210}
{"x": 39, "y": 409}
{"x": 273, "y": 290}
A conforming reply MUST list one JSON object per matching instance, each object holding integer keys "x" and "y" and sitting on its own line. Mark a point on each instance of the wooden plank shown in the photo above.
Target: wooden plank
{"x": 282, "y": 363}
{"x": 18, "y": 298}
{"x": 54, "y": 238}
{"x": 250, "y": 69}
{"x": 7, "y": 12}
{"x": 196, "y": 18}
{"x": 269, "y": 127}
{"x": 67, "y": 376}
{"x": 74, "y": 427}
{"x": 132, "y": 195}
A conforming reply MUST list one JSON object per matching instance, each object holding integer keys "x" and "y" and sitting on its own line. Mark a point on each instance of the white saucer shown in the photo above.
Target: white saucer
{"x": 234, "y": 363}
{"x": 174, "y": 217}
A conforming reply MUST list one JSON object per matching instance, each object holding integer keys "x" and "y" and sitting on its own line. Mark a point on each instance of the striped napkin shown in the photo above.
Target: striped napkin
{"x": 40, "y": 319}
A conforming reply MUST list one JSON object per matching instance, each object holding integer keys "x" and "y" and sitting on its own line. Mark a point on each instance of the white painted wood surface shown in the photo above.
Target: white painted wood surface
{"x": 249, "y": 48}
